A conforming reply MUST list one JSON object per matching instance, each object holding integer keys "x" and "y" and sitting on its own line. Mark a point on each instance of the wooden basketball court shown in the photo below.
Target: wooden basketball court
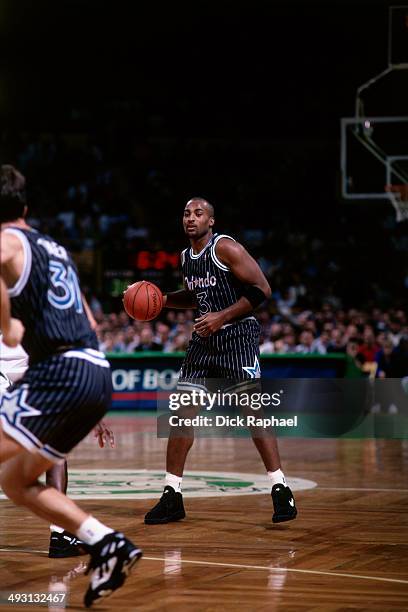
{"x": 347, "y": 550}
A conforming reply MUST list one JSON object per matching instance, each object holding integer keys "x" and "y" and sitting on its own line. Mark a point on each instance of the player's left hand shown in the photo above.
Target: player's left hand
{"x": 103, "y": 433}
{"x": 209, "y": 323}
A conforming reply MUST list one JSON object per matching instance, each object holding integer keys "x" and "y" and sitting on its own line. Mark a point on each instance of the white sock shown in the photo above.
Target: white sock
{"x": 56, "y": 528}
{"x": 277, "y": 477}
{"x": 174, "y": 481}
{"x": 91, "y": 531}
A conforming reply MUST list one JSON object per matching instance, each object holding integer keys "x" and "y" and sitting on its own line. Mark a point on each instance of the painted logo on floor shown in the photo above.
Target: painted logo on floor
{"x": 145, "y": 484}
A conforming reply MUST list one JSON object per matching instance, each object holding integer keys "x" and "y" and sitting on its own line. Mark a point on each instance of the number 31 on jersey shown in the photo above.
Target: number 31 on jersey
{"x": 65, "y": 281}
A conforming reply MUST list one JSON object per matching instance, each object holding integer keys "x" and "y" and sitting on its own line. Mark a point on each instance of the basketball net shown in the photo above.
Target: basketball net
{"x": 398, "y": 195}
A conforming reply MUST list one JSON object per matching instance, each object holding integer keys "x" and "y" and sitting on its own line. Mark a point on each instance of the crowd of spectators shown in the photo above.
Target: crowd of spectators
{"x": 118, "y": 333}
{"x": 379, "y": 337}
{"x": 108, "y": 193}
{"x": 115, "y": 191}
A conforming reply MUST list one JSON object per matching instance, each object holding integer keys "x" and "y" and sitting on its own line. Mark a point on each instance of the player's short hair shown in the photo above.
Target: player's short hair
{"x": 204, "y": 202}
{"x": 12, "y": 193}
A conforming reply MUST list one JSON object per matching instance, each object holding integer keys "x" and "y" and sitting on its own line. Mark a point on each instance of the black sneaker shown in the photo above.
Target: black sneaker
{"x": 283, "y": 504}
{"x": 64, "y": 544}
{"x": 170, "y": 508}
{"x": 111, "y": 561}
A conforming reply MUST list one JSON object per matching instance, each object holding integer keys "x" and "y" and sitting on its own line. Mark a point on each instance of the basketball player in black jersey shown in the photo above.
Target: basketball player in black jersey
{"x": 13, "y": 365}
{"x": 65, "y": 391}
{"x": 225, "y": 284}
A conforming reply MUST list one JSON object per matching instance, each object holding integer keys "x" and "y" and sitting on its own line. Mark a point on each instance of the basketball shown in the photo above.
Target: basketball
{"x": 143, "y": 301}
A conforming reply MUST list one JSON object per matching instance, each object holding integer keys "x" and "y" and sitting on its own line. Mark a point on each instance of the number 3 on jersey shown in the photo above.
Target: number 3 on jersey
{"x": 66, "y": 281}
{"x": 203, "y": 305}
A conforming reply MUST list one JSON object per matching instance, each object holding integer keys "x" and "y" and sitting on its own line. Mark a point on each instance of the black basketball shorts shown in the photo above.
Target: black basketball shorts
{"x": 230, "y": 358}
{"x": 57, "y": 402}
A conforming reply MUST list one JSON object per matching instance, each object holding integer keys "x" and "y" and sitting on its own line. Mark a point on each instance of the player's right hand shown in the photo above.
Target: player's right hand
{"x": 14, "y": 334}
{"x": 209, "y": 323}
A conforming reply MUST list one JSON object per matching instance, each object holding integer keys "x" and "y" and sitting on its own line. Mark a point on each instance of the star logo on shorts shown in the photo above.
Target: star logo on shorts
{"x": 14, "y": 407}
{"x": 255, "y": 370}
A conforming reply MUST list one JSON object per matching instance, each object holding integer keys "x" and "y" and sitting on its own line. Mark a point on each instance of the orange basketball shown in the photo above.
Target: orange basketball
{"x": 143, "y": 301}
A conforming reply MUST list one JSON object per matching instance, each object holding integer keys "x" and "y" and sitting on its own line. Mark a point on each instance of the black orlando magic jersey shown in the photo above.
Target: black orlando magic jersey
{"x": 47, "y": 298}
{"x": 231, "y": 353}
{"x": 211, "y": 281}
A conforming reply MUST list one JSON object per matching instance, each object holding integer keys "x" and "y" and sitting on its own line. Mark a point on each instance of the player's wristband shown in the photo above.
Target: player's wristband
{"x": 254, "y": 295}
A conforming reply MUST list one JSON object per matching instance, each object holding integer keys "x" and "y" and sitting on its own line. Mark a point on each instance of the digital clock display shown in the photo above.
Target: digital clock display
{"x": 155, "y": 260}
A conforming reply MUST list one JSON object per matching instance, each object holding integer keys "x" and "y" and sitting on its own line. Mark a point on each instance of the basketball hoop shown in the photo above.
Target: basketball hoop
{"x": 398, "y": 195}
